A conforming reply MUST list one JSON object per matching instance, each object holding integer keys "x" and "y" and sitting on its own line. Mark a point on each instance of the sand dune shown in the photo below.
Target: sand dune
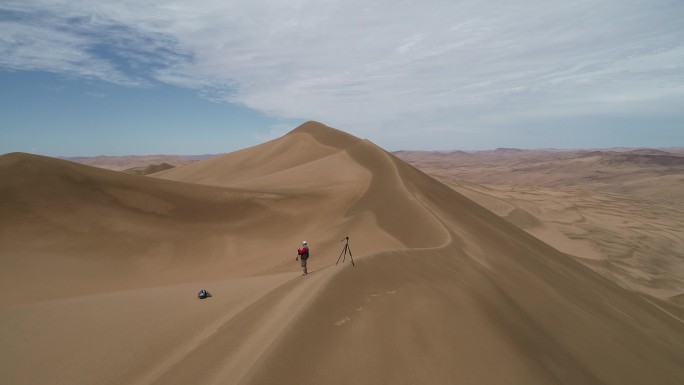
{"x": 69, "y": 228}
{"x": 639, "y": 173}
{"x": 617, "y": 210}
{"x": 149, "y": 169}
{"x": 634, "y": 242}
{"x": 444, "y": 290}
{"x": 123, "y": 162}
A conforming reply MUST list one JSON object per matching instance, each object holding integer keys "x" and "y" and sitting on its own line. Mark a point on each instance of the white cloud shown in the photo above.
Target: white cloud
{"x": 29, "y": 47}
{"x": 373, "y": 65}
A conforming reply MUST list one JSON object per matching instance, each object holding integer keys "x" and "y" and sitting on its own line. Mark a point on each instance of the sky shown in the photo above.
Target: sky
{"x": 135, "y": 77}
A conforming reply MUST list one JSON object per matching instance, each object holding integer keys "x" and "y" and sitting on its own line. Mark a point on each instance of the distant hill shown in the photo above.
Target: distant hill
{"x": 653, "y": 174}
{"x": 120, "y": 163}
{"x": 149, "y": 169}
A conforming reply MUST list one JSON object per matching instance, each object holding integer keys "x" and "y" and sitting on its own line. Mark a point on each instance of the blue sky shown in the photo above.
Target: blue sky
{"x": 54, "y": 115}
{"x": 146, "y": 77}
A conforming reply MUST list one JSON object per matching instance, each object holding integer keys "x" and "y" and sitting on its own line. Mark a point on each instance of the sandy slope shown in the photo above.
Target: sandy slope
{"x": 69, "y": 228}
{"x": 444, "y": 291}
{"x": 618, "y": 211}
{"x": 123, "y": 162}
{"x": 637, "y": 243}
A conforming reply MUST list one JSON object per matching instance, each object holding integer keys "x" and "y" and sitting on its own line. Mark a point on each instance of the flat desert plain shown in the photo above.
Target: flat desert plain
{"x": 101, "y": 269}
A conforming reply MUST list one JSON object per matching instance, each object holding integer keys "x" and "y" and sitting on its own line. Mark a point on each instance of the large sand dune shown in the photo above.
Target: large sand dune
{"x": 100, "y": 272}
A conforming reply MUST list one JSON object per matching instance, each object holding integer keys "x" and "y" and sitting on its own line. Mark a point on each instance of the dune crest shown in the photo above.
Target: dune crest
{"x": 442, "y": 292}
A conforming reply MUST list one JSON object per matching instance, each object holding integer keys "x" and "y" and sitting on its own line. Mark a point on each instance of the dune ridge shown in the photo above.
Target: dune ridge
{"x": 444, "y": 290}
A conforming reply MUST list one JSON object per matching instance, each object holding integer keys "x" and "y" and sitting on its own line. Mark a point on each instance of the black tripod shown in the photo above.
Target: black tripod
{"x": 344, "y": 252}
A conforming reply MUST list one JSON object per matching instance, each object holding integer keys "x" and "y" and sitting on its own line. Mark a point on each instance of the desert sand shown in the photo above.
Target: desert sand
{"x": 100, "y": 272}
{"x": 126, "y": 162}
{"x": 618, "y": 211}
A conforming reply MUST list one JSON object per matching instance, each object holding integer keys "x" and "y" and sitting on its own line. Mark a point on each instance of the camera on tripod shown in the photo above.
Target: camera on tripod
{"x": 346, "y": 249}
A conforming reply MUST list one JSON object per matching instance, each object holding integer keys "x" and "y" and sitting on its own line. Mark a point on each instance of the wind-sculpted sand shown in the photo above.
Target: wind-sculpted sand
{"x": 637, "y": 243}
{"x": 100, "y": 272}
{"x": 619, "y": 211}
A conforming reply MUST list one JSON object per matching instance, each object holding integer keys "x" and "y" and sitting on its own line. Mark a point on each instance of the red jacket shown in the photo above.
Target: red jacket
{"x": 303, "y": 252}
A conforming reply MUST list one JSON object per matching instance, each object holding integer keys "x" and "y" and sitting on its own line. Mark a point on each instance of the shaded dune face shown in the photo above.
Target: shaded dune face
{"x": 69, "y": 229}
{"x": 444, "y": 291}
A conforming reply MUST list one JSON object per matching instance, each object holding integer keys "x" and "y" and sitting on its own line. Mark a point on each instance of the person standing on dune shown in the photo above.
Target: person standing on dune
{"x": 303, "y": 253}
